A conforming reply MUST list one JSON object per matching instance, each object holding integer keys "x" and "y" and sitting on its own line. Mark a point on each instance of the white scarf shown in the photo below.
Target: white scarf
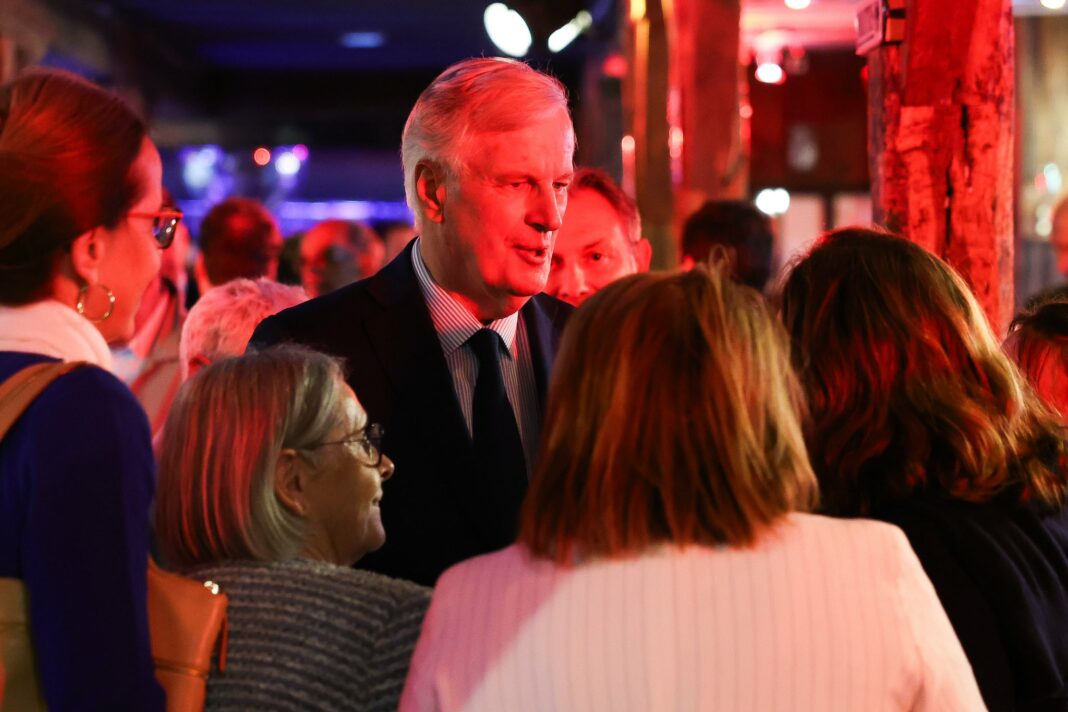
{"x": 53, "y": 329}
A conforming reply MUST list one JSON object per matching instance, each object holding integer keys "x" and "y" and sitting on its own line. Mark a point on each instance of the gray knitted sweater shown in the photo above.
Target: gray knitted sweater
{"x": 307, "y": 635}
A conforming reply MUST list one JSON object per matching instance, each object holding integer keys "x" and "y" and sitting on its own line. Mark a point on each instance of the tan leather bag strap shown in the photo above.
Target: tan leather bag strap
{"x": 20, "y": 390}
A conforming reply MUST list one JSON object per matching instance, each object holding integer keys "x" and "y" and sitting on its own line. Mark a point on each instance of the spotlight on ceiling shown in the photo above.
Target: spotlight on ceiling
{"x": 507, "y": 29}
{"x": 797, "y": 4}
{"x": 564, "y": 36}
{"x": 1052, "y": 4}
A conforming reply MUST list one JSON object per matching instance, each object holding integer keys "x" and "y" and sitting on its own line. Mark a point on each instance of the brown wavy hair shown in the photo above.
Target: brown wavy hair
{"x": 672, "y": 418}
{"x": 907, "y": 387}
{"x": 1038, "y": 343}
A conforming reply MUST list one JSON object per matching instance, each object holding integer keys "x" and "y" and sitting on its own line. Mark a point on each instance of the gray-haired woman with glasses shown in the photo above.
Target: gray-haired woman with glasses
{"x": 270, "y": 482}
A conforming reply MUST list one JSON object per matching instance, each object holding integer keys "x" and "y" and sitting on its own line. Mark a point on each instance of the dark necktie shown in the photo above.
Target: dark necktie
{"x": 501, "y": 465}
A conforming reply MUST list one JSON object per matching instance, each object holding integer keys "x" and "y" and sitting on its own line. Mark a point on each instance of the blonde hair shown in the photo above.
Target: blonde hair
{"x": 672, "y": 418}
{"x": 221, "y": 444}
{"x": 488, "y": 94}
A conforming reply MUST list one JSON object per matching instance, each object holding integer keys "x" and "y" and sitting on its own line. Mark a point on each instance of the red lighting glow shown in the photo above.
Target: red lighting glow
{"x": 262, "y": 156}
{"x": 615, "y": 66}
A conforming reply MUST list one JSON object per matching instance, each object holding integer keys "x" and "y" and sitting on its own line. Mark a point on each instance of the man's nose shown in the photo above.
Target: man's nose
{"x": 573, "y": 284}
{"x": 546, "y": 213}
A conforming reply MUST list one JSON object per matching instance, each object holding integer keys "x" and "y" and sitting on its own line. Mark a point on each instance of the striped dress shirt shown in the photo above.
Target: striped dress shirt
{"x": 454, "y": 325}
{"x": 818, "y": 615}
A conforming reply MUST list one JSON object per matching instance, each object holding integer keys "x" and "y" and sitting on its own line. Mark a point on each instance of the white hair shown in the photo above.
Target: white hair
{"x": 222, "y": 321}
{"x": 473, "y": 96}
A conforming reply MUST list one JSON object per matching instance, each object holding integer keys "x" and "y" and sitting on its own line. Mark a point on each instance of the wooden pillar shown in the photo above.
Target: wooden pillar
{"x": 646, "y": 159}
{"x": 707, "y": 74}
{"x": 941, "y": 133}
{"x": 682, "y": 108}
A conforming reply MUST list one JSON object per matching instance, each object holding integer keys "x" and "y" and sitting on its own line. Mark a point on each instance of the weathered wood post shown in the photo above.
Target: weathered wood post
{"x": 681, "y": 108}
{"x": 941, "y": 140}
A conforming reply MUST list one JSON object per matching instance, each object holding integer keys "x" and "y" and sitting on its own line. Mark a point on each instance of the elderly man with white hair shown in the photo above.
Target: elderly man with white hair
{"x": 450, "y": 345}
{"x": 222, "y": 321}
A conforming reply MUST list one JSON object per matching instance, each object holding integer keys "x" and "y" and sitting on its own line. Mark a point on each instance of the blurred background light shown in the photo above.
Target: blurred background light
{"x": 770, "y": 73}
{"x": 287, "y": 164}
{"x": 363, "y": 40}
{"x": 773, "y": 201}
{"x": 507, "y": 29}
{"x": 564, "y": 36}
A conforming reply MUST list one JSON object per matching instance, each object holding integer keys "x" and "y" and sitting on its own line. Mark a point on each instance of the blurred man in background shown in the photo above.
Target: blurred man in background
{"x": 737, "y": 227}
{"x": 335, "y": 253}
{"x": 600, "y": 240}
{"x": 238, "y": 238}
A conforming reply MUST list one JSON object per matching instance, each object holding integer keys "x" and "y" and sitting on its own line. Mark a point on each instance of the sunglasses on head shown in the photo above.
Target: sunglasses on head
{"x": 164, "y": 224}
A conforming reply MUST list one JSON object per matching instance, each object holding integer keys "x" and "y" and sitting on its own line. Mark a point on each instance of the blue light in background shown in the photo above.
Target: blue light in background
{"x": 363, "y": 40}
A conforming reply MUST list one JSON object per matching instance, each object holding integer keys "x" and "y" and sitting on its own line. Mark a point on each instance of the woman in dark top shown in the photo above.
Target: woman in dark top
{"x": 81, "y": 226}
{"x": 919, "y": 419}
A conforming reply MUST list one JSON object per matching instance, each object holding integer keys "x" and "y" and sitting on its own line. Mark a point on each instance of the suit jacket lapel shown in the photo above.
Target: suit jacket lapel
{"x": 408, "y": 347}
{"x": 538, "y": 316}
{"x": 410, "y": 352}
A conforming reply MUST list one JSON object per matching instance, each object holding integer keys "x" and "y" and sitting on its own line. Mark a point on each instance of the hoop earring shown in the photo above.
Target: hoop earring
{"x": 83, "y": 292}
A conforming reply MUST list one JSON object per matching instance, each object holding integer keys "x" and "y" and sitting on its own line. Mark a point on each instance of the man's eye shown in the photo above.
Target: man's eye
{"x": 596, "y": 256}
{"x": 561, "y": 186}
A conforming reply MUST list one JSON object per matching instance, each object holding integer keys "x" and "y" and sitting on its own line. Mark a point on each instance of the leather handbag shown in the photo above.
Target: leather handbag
{"x": 186, "y": 618}
{"x": 187, "y": 622}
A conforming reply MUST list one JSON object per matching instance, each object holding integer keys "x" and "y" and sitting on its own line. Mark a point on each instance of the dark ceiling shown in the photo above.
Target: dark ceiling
{"x": 253, "y": 71}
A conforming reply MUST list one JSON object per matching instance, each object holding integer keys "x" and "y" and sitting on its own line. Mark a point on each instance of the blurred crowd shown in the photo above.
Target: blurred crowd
{"x": 491, "y": 461}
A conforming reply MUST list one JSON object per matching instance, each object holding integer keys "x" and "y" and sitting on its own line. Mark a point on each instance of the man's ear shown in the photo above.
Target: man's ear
{"x": 197, "y": 362}
{"x": 86, "y": 255}
{"x": 430, "y": 190}
{"x": 643, "y": 253}
{"x": 290, "y": 481}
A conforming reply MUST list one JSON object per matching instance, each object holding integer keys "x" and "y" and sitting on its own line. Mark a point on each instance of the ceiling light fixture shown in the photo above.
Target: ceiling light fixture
{"x": 1052, "y": 4}
{"x": 797, "y": 4}
{"x": 507, "y": 29}
{"x": 564, "y": 36}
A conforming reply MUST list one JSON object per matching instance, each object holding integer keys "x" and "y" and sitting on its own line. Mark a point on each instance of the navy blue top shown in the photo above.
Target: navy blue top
{"x": 77, "y": 476}
{"x": 1001, "y": 572}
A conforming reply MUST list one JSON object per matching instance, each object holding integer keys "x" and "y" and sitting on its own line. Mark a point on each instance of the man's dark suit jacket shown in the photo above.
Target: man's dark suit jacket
{"x": 432, "y": 511}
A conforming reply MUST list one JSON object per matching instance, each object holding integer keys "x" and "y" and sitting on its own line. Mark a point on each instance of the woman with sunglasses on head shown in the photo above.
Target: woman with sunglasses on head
{"x": 270, "y": 482}
{"x": 81, "y": 227}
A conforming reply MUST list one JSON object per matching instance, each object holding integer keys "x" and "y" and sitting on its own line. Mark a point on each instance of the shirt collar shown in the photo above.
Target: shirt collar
{"x": 453, "y": 323}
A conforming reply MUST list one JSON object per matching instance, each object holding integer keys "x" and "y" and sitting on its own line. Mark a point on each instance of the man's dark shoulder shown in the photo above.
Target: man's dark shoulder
{"x": 321, "y": 323}
{"x": 553, "y": 309}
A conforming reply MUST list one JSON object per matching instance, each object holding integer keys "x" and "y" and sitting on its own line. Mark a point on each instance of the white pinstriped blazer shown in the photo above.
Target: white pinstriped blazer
{"x": 822, "y": 614}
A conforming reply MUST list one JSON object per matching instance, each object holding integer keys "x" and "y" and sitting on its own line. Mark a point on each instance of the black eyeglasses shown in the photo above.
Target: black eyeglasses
{"x": 164, "y": 224}
{"x": 367, "y": 442}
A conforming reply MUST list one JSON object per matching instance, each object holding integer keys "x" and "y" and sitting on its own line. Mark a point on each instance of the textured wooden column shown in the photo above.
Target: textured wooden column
{"x": 941, "y": 133}
{"x": 645, "y": 113}
{"x": 706, "y": 75}
{"x": 681, "y": 108}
